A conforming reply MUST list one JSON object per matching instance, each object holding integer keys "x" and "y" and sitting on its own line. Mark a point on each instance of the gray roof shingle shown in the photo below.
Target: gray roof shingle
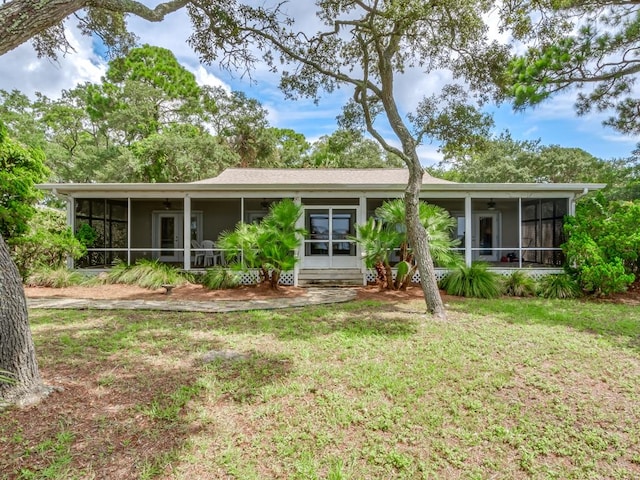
{"x": 316, "y": 176}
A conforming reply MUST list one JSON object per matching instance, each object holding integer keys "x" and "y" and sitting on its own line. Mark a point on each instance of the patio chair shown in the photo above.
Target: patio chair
{"x": 198, "y": 256}
{"x": 210, "y": 255}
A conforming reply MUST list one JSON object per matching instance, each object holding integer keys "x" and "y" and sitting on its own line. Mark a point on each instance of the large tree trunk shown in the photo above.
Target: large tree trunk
{"x": 419, "y": 241}
{"x": 21, "y": 20}
{"x": 17, "y": 352}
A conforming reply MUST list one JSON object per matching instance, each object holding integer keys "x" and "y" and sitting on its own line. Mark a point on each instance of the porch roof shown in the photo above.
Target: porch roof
{"x": 342, "y": 181}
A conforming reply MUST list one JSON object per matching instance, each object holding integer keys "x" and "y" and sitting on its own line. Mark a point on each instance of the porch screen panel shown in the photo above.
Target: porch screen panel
{"x": 542, "y": 228}
{"x": 108, "y": 218}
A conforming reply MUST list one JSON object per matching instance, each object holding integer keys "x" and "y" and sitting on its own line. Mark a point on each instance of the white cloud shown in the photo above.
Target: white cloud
{"x": 631, "y": 140}
{"x": 205, "y": 78}
{"x": 22, "y": 70}
{"x": 429, "y": 155}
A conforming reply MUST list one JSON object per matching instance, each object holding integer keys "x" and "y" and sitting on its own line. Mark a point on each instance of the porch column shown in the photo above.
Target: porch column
{"x": 519, "y": 232}
{"x": 468, "y": 237}
{"x": 360, "y": 219}
{"x": 186, "y": 224}
{"x": 299, "y": 224}
{"x": 71, "y": 221}
{"x": 128, "y": 230}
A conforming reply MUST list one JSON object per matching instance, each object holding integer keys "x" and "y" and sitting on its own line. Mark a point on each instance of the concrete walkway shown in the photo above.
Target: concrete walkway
{"x": 313, "y": 296}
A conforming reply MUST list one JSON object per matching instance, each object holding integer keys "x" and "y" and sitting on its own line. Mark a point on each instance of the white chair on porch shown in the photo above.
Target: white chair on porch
{"x": 198, "y": 255}
{"x": 210, "y": 255}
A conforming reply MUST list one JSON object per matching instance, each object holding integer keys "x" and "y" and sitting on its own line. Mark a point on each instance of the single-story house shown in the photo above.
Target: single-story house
{"x": 510, "y": 226}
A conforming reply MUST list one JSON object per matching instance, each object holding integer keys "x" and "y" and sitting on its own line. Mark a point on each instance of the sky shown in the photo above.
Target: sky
{"x": 554, "y": 122}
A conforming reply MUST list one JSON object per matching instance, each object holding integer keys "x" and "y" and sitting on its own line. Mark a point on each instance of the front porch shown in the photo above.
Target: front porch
{"x": 508, "y": 232}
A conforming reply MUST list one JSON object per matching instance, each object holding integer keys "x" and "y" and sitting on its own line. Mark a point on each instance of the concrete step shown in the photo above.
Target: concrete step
{"x": 330, "y": 277}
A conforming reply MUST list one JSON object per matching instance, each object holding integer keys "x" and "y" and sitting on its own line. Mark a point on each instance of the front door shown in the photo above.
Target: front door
{"x": 169, "y": 236}
{"x": 486, "y": 238}
{"x": 329, "y": 242}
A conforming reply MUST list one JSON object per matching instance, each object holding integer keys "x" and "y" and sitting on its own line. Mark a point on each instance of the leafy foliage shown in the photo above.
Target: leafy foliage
{"x": 269, "y": 245}
{"x": 20, "y": 170}
{"x": 349, "y": 149}
{"x": 562, "y": 285}
{"x": 474, "y": 281}
{"x": 47, "y": 243}
{"x": 578, "y": 44}
{"x": 603, "y": 246}
{"x": 86, "y": 235}
{"x": 146, "y": 274}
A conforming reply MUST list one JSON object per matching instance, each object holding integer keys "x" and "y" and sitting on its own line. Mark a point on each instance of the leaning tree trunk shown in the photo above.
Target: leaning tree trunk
{"x": 419, "y": 241}
{"x": 17, "y": 352}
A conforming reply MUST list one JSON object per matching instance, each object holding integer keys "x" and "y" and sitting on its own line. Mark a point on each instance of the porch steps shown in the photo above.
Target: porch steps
{"x": 330, "y": 277}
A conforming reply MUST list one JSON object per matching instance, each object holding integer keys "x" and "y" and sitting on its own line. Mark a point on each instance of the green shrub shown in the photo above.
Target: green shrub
{"x": 219, "y": 278}
{"x": 605, "y": 278}
{"x": 55, "y": 277}
{"x": 86, "y": 235}
{"x": 603, "y": 245}
{"x": 146, "y": 274}
{"x": 46, "y": 243}
{"x": 474, "y": 281}
{"x": 559, "y": 286}
{"x": 519, "y": 284}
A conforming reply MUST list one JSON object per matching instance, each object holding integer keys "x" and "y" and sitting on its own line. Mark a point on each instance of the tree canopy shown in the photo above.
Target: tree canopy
{"x": 21, "y": 169}
{"x": 590, "y": 46}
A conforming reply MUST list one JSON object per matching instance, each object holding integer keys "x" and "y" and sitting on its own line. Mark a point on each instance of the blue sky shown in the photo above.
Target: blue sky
{"x": 554, "y": 122}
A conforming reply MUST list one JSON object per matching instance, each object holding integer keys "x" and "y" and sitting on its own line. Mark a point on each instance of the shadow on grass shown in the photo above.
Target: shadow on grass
{"x": 129, "y": 427}
{"x": 126, "y": 386}
{"x": 619, "y": 324}
{"x": 351, "y": 319}
{"x": 242, "y": 379}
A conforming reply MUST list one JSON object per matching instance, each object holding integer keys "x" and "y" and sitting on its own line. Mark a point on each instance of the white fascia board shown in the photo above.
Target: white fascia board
{"x": 162, "y": 190}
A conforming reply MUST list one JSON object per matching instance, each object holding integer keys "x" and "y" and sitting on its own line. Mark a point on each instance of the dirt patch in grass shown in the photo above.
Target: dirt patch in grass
{"x": 97, "y": 424}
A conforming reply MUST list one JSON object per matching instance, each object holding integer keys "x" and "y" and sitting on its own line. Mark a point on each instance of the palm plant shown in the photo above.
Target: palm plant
{"x": 381, "y": 236}
{"x": 474, "y": 281}
{"x": 268, "y": 246}
{"x": 559, "y": 286}
{"x": 146, "y": 273}
{"x": 218, "y": 278}
{"x": 519, "y": 284}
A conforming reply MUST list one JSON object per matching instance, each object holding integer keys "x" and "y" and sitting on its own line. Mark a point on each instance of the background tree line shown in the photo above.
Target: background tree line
{"x": 149, "y": 121}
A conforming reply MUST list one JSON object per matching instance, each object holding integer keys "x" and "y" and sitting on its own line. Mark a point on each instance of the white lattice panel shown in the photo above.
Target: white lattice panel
{"x": 535, "y": 273}
{"x": 251, "y": 277}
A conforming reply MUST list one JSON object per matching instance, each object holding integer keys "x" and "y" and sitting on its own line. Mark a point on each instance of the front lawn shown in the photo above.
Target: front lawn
{"x": 504, "y": 388}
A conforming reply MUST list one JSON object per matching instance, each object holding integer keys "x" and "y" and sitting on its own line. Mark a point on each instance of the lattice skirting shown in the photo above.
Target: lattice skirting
{"x": 535, "y": 273}
{"x": 251, "y": 277}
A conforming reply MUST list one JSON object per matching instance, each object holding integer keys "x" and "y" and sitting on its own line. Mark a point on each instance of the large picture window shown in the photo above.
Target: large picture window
{"x": 108, "y": 218}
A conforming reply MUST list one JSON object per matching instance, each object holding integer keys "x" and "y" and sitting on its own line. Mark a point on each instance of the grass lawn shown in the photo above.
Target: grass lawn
{"x": 504, "y": 388}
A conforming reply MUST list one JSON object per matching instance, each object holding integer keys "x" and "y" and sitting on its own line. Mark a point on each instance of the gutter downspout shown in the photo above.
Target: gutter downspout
{"x": 572, "y": 204}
